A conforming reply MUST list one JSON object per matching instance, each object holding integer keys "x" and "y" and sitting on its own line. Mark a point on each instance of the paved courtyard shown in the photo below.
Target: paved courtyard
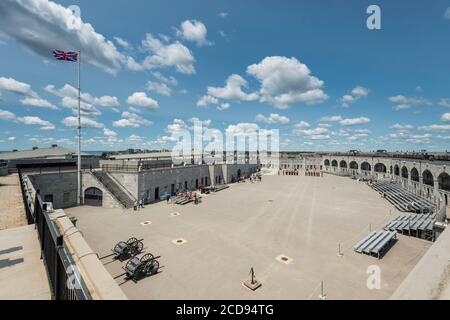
{"x": 250, "y": 225}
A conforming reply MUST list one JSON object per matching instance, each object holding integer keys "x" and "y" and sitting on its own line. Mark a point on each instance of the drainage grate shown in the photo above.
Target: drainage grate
{"x": 284, "y": 259}
{"x": 179, "y": 241}
{"x": 146, "y": 223}
{"x": 175, "y": 214}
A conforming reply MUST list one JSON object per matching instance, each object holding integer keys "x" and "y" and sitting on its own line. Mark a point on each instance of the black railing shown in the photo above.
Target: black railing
{"x": 65, "y": 280}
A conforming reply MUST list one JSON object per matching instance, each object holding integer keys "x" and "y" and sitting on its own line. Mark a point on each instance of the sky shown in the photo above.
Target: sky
{"x": 312, "y": 70}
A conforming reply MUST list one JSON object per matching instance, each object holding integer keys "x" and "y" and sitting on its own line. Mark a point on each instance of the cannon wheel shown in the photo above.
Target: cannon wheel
{"x": 151, "y": 267}
{"x": 146, "y": 257}
{"x": 137, "y": 247}
{"x": 131, "y": 241}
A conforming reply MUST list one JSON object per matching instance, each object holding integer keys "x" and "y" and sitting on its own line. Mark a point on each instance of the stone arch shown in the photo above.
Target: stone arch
{"x": 326, "y": 162}
{"x": 343, "y": 164}
{"x": 93, "y": 197}
{"x": 354, "y": 165}
{"x": 444, "y": 181}
{"x": 414, "y": 174}
{"x": 405, "y": 173}
{"x": 334, "y": 163}
{"x": 428, "y": 178}
{"x": 396, "y": 170}
{"x": 380, "y": 167}
{"x": 366, "y": 166}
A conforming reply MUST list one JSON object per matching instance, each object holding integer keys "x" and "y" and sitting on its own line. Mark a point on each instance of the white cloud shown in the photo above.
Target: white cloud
{"x": 17, "y": 87}
{"x": 38, "y": 102}
{"x": 401, "y": 127}
{"x": 402, "y": 102}
{"x": 195, "y": 31}
{"x": 436, "y": 127}
{"x": 167, "y": 55}
{"x": 42, "y": 25}
{"x": 302, "y": 125}
{"x": 85, "y": 122}
{"x": 272, "y": 119}
{"x": 223, "y": 106}
{"x": 159, "y": 87}
{"x": 223, "y": 14}
{"x": 357, "y": 93}
{"x": 135, "y": 138}
{"x": 242, "y": 129}
{"x": 28, "y": 120}
{"x": 444, "y": 102}
{"x": 330, "y": 119}
{"x": 133, "y": 65}
{"x": 354, "y": 121}
{"x": 7, "y": 115}
{"x": 206, "y": 101}
{"x": 447, "y": 13}
{"x": 131, "y": 119}
{"x": 123, "y": 43}
{"x": 11, "y": 138}
{"x": 109, "y": 133}
{"x": 319, "y": 131}
{"x": 167, "y": 80}
{"x": 142, "y": 100}
{"x": 285, "y": 81}
{"x": 232, "y": 90}
{"x": 445, "y": 117}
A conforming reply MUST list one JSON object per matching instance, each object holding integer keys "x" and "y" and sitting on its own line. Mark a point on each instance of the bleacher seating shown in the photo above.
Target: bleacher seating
{"x": 376, "y": 243}
{"x": 416, "y": 225}
{"x": 402, "y": 199}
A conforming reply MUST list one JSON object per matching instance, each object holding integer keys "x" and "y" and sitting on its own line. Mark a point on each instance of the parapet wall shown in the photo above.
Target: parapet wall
{"x": 99, "y": 282}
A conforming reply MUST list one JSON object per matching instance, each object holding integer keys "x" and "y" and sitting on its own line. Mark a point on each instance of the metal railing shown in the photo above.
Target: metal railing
{"x": 64, "y": 278}
{"x": 25, "y": 199}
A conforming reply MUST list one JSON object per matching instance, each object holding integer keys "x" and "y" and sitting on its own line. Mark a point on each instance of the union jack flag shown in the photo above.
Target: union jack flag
{"x": 68, "y": 56}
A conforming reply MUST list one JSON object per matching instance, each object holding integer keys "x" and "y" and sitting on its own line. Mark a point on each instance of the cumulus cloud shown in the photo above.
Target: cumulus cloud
{"x": 131, "y": 119}
{"x": 330, "y": 119}
{"x": 28, "y": 120}
{"x": 436, "y": 127}
{"x": 167, "y": 80}
{"x": 273, "y": 118}
{"x": 194, "y": 31}
{"x": 319, "y": 131}
{"x": 402, "y": 102}
{"x": 402, "y": 127}
{"x": 159, "y": 87}
{"x": 42, "y": 25}
{"x": 444, "y": 102}
{"x": 38, "y": 102}
{"x": 223, "y": 14}
{"x": 232, "y": 90}
{"x": 206, "y": 101}
{"x": 447, "y": 13}
{"x": 357, "y": 93}
{"x": 7, "y": 115}
{"x": 17, "y": 87}
{"x": 85, "y": 122}
{"x": 354, "y": 121}
{"x": 445, "y": 117}
{"x": 174, "y": 55}
{"x": 223, "y": 106}
{"x": 302, "y": 125}
{"x": 142, "y": 100}
{"x": 285, "y": 81}
{"x": 123, "y": 43}
{"x": 241, "y": 129}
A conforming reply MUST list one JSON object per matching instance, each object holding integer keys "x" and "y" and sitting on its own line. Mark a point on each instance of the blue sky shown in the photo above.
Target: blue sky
{"x": 312, "y": 70}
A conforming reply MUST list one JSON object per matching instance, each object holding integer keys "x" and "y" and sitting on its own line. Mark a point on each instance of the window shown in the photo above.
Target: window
{"x": 66, "y": 197}
{"x": 48, "y": 198}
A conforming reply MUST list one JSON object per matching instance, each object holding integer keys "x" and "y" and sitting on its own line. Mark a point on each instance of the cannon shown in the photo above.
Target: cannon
{"x": 126, "y": 249}
{"x": 136, "y": 268}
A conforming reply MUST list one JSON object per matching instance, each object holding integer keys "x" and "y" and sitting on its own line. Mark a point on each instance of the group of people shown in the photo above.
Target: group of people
{"x": 314, "y": 173}
{"x": 138, "y": 204}
{"x": 288, "y": 172}
{"x": 255, "y": 177}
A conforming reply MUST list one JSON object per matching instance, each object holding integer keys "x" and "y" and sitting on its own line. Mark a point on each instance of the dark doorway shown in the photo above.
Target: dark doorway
{"x": 156, "y": 193}
{"x": 93, "y": 197}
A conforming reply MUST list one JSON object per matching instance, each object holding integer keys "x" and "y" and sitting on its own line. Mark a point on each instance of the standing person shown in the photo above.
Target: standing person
{"x": 141, "y": 203}
{"x": 135, "y": 205}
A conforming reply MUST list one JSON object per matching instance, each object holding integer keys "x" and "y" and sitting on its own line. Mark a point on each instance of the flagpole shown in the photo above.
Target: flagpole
{"x": 79, "y": 135}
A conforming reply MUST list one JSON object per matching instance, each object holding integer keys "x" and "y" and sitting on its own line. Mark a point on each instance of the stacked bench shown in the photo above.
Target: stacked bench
{"x": 402, "y": 199}
{"x": 415, "y": 225}
{"x": 220, "y": 187}
{"x": 376, "y": 243}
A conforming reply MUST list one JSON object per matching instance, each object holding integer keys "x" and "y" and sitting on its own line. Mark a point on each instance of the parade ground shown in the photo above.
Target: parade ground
{"x": 289, "y": 229}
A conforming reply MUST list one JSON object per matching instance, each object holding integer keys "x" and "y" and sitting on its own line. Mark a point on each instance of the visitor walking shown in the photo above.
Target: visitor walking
{"x": 135, "y": 205}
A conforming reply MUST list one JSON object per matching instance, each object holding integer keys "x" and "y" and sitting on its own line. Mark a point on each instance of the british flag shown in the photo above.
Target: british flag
{"x": 68, "y": 56}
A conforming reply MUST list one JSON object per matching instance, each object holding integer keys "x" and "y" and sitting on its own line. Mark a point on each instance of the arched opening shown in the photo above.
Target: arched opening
{"x": 239, "y": 173}
{"x": 354, "y": 165}
{"x": 334, "y": 163}
{"x": 427, "y": 178}
{"x": 404, "y": 172}
{"x": 326, "y": 162}
{"x": 93, "y": 197}
{"x": 343, "y": 164}
{"x": 444, "y": 181}
{"x": 414, "y": 175}
{"x": 380, "y": 167}
{"x": 366, "y": 166}
{"x": 396, "y": 170}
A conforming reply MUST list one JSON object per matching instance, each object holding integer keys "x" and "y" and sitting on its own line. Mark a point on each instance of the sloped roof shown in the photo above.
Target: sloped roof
{"x": 55, "y": 152}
